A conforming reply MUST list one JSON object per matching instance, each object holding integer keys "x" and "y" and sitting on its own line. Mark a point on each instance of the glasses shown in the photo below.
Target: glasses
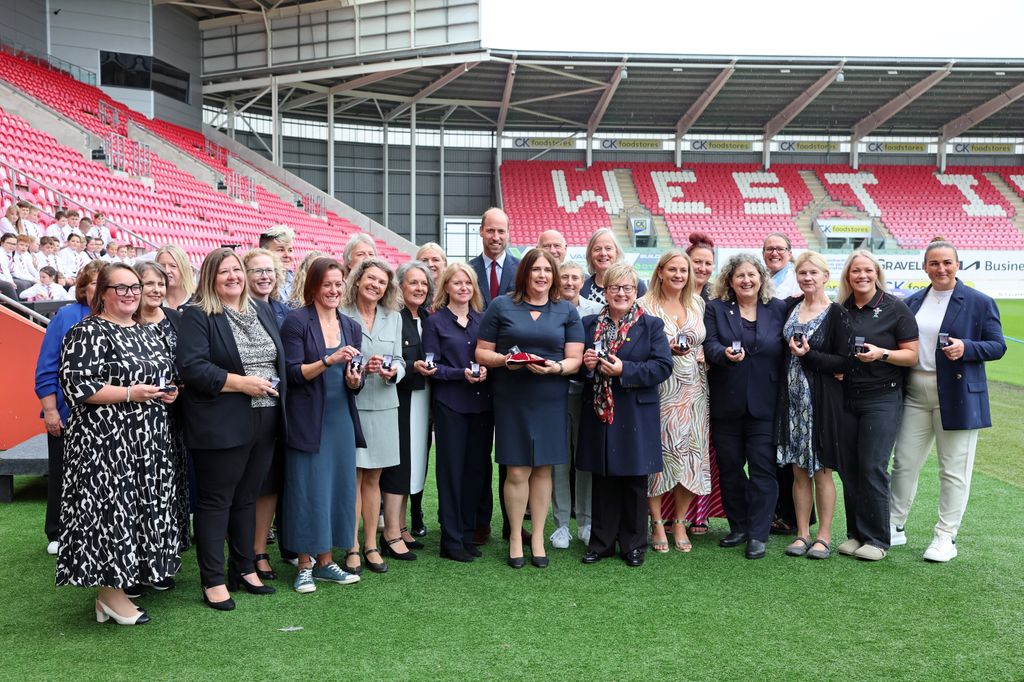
{"x": 262, "y": 272}
{"x": 776, "y": 249}
{"x": 124, "y": 289}
{"x": 623, "y": 288}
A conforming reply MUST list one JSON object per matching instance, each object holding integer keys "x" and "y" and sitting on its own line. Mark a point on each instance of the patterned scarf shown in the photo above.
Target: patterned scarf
{"x": 611, "y": 337}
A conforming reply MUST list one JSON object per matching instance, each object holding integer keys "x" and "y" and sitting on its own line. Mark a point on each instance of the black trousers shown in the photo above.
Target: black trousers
{"x": 871, "y": 423}
{"x": 463, "y": 457}
{"x": 54, "y": 480}
{"x": 229, "y": 482}
{"x": 619, "y": 513}
{"x": 749, "y": 502}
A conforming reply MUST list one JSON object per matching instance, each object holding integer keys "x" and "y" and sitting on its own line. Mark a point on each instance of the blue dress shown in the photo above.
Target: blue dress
{"x": 320, "y": 499}
{"x": 529, "y": 408}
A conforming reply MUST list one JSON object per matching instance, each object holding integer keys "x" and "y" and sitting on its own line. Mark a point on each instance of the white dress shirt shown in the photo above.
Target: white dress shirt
{"x": 45, "y": 292}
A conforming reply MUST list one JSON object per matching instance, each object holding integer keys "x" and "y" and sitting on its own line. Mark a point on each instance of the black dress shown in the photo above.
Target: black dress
{"x": 120, "y": 494}
{"x": 528, "y": 407}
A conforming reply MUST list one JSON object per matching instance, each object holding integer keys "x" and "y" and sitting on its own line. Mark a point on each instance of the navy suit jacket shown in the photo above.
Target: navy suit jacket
{"x": 505, "y": 284}
{"x": 304, "y": 344}
{"x": 752, "y": 384}
{"x": 631, "y": 444}
{"x": 963, "y": 387}
{"x": 206, "y": 355}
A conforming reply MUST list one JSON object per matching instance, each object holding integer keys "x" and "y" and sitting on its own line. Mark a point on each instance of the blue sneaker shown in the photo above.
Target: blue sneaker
{"x": 333, "y": 573}
{"x": 304, "y": 581}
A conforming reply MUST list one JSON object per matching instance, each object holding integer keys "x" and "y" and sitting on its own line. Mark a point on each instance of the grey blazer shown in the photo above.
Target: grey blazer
{"x": 385, "y": 339}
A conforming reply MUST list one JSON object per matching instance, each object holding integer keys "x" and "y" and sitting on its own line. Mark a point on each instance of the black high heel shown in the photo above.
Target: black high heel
{"x": 388, "y": 550}
{"x": 226, "y": 605}
{"x": 236, "y": 580}
{"x": 264, "y": 575}
{"x": 411, "y": 544}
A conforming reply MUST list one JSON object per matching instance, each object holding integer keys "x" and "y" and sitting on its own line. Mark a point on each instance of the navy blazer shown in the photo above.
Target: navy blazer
{"x": 963, "y": 386}
{"x": 631, "y": 444}
{"x": 304, "y": 344}
{"x": 505, "y": 284}
{"x": 750, "y": 385}
{"x": 206, "y": 355}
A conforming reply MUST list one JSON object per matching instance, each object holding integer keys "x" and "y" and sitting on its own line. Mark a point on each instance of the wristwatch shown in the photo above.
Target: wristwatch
{"x": 324, "y": 360}
{"x": 885, "y": 356}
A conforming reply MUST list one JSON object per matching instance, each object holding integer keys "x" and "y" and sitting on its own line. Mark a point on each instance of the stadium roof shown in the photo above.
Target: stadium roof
{"x": 470, "y": 87}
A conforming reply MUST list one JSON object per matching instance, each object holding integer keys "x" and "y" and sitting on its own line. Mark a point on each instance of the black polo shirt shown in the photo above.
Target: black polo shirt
{"x": 885, "y": 321}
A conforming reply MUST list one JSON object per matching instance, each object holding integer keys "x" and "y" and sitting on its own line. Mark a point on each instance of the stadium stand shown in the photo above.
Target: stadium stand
{"x": 739, "y": 203}
{"x": 179, "y": 208}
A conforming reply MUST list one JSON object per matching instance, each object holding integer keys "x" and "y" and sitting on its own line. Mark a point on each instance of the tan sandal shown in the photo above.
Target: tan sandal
{"x": 659, "y": 546}
{"x": 683, "y": 546}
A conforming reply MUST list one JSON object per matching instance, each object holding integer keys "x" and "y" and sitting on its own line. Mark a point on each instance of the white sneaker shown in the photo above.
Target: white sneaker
{"x": 942, "y": 549}
{"x": 52, "y": 547}
{"x": 584, "y": 533}
{"x": 897, "y": 536}
{"x": 561, "y": 537}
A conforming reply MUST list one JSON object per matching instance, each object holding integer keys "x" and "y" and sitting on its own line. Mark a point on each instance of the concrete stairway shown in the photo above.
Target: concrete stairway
{"x": 1018, "y": 204}
{"x": 630, "y": 199}
{"x": 821, "y": 201}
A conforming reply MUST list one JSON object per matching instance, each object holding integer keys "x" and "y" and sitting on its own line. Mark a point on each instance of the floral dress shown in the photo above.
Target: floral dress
{"x": 800, "y": 449}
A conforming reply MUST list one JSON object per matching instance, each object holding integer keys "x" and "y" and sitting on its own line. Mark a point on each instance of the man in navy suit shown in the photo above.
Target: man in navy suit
{"x": 495, "y": 270}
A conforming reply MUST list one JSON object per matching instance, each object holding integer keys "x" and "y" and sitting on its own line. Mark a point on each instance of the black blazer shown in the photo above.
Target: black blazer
{"x": 174, "y": 317}
{"x": 505, "y": 284}
{"x": 737, "y": 387}
{"x": 630, "y": 445}
{"x": 412, "y": 350}
{"x": 304, "y": 343}
{"x": 206, "y": 355}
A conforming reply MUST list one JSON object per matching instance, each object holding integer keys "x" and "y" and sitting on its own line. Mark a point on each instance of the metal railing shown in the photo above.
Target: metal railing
{"x": 129, "y": 156}
{"x": 240, "y": 186}
{"x": 216, "y": 152}
{"x": 41, "y": 320}
{"x": 108, "y": 115}
{"x": 27, "y": 54}
{"x": 21, "y": 178}
{"x": 314, "y": 205}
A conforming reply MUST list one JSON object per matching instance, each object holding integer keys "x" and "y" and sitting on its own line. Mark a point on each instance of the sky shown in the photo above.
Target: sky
{"x": 859, "y": 28}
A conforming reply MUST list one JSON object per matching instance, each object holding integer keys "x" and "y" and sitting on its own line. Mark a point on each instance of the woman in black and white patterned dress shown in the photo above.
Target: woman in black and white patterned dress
{"x": 120, "y": 487}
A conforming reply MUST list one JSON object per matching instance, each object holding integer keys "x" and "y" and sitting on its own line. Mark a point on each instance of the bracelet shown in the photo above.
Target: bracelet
{"x": 561, "y": 370}
{"x": 129, "y": 398}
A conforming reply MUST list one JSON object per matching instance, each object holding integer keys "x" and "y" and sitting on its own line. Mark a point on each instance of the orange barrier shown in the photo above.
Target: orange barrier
{"x": 19, "y": 408}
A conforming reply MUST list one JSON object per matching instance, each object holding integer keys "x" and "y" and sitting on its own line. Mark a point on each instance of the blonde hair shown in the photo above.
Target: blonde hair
{"x": 441, "y": 295}
{"x": 686, "y": 296}
{"x": 186, "y": 275}
{"x": 391, "y": 298}
{"x": 278, "y": 268}
{"x": 621, "y": 271}
{"x": 723, "y": 283}
{"x": 815, "y": 258}
{"x": 845, "y": 290}
{"x": 604, "y": 231}
{"x": 296, "y": 298}
{"x": 206, "y": 294}
{"x": 432, "y": 246}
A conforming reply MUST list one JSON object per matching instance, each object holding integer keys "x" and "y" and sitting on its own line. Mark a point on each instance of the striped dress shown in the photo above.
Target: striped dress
{"x": 685, "y": 421}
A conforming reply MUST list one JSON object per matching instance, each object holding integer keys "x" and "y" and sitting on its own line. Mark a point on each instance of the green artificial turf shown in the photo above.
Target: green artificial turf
{"x": 707, "y": 615}
{"x": 1011, "y": 367}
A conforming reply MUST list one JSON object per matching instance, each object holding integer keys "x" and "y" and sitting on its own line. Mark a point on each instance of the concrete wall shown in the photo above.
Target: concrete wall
{"x": 84, "y": 27}
{"x": 177, "y": 41}
{"x": 24, "y": 22}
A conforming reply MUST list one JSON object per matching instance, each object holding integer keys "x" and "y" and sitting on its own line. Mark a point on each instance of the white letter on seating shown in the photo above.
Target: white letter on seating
{"x": 668, "y": 194}
{"x": 857, "y": 182}
{"x": 975, "y": 205}
{"x": 612, "y": 205}
{"x": 780, "y": 200}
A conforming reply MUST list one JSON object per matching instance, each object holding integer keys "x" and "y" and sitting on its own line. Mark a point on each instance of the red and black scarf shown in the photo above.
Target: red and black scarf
{"x": 611, "y": 336}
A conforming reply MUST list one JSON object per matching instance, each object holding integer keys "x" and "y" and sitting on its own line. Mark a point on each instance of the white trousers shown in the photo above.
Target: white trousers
{"x": 561, "y": 495}
{"x": 921, "y": 428}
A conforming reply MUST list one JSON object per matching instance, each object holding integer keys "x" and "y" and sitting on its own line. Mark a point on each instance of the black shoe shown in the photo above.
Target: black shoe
{"x": 457, "y": 555}
{"x": 237, "y": 580}
{"x": 389, "y": 550}
{"x": 591, "y": 557}
{"x": 755, "y": 549}
{"x": 472, "y": 549}
{"x": 354, "y": 570}
{"x": 782, "y": 527}
{"x": 162, "y": 585}
{"x": 481, "y": 534}
{"x": 265, "y": 575}
{"x": 634, "y": 558}
{"x": 517, "y": 562}
{"x": 412, "y": 544}
{"x": 418, "y": 529}
{"x": 134, "y": 591}
{"x": 378, "y": 567}
{"x": 733, "y": 539}
{"x": 539, "y": 561}
{"x": 226, "y": 605}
